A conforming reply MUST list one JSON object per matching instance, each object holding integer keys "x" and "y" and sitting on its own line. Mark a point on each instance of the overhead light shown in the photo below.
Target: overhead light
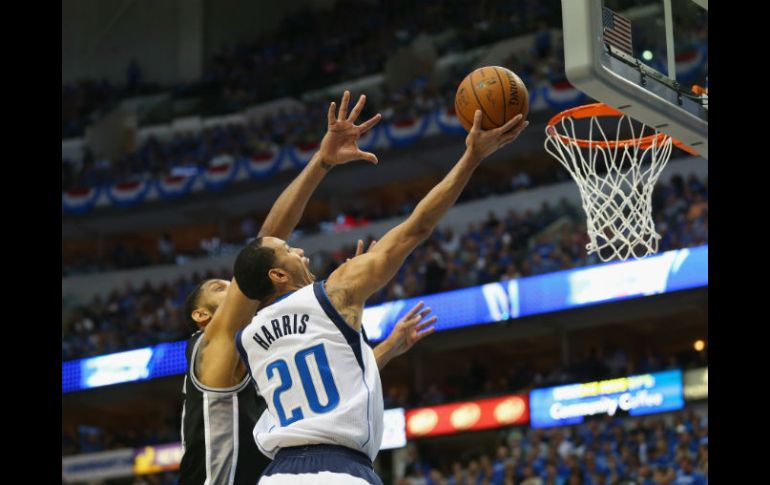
{"x": 699, "y": 345}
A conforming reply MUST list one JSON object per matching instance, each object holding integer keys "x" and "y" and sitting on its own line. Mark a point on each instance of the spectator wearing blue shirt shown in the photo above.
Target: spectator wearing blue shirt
{"x": 551, "y": 475}
{"x": 498, "y": 466}
{"x": 529, "y": 477}
{"x": 487, "y": 472}
{"x": 459, "y": 476}
{"x": 687, "y": 475}
{"x": 614, "y": 468}
{"x": 642, "y": 475}
{"x": 542, "y": 265}
{"x": 590, "y": 467}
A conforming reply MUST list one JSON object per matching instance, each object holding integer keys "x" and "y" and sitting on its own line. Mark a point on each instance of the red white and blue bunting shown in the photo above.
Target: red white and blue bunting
{"x": 368, "y": 140}
{"x": 220, "y": 172}
{"x": 406, "y": 132}
{"x": 689, "y": 64}
{"x": 224, "y": 169}
{"x": 561, "y": 95}
{"x": 79, "y": 201}
{"x": 128, "y": 194}
{"x": 448, "y": 122}
{"x": 171, "y": 187}
{"x": 301, "y": 154}
{"x": 266, "y": 163}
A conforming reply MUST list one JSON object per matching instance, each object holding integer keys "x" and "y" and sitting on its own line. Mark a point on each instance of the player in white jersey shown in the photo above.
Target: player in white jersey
{"x": 221, "y": 406}
{"x": 306, "y": 349}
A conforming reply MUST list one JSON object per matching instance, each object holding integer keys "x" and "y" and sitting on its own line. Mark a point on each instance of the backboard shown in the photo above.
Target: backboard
{"x": 642, "y": 57}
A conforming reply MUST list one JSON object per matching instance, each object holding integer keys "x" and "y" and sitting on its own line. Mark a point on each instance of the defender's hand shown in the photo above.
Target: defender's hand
{"x": 340, "y": 144}
{"x": 482, "y": 143}
{"x": 411, "y": 329}
{"x": 360, "y": 248}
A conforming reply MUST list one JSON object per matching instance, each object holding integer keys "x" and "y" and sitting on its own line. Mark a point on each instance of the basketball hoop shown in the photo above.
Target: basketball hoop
{"x": 615, "y": 174}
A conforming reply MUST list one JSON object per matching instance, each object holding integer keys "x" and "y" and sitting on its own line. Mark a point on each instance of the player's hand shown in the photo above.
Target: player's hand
{"x": 482, "y": 143}
{"x": 412, "y": 328}
{"x": 340, "y": 144}
{"x": 360, "y": 248}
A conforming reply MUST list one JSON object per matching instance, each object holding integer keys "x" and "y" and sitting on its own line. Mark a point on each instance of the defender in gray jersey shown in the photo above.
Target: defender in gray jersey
{"x": 307, "y": 352}
{"x": 221, "y": 405}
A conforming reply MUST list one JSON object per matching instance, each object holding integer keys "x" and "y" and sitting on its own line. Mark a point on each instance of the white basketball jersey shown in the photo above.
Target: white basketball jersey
{"x": 318, "y": 376}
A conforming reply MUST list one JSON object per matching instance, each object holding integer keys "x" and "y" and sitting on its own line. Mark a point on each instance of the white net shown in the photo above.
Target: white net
{"x": 616, "y": 176}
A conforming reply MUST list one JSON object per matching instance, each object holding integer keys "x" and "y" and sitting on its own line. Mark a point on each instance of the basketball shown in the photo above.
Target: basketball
{"x": 498, "y": 92}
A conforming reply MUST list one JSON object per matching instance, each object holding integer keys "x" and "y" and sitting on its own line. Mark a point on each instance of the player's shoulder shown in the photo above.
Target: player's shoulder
{"x": 192, "y": 341}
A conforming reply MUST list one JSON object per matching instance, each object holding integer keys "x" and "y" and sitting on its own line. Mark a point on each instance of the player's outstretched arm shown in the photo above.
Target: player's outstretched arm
{"x": 353, "y": 282}
{"x": 221, "y": 367}
{"x": 217, "y": 363}
{"x": 339, "y": 146}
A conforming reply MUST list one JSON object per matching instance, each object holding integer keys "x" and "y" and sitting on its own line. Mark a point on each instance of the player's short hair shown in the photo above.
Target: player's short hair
{"x": 190, "y": 304}
{"x": 251, "y": 268}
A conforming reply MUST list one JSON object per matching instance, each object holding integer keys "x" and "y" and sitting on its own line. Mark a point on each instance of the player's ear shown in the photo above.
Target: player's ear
{"x": 201, "y": 315}
{"x": 278, "y": 276}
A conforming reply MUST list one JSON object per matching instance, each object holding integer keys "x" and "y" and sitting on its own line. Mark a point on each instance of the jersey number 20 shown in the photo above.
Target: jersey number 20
{"x": 301, "y": 361}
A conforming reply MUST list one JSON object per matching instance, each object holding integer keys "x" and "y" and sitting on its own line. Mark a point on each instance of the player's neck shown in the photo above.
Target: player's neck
{"x": 279, "y": 295}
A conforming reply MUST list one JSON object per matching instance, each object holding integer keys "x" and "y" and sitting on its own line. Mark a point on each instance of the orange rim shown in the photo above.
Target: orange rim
{"x": 601, "y": 109}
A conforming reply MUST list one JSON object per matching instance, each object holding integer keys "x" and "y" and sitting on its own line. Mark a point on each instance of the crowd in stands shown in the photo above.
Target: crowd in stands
{"x": 504, "y": 246}
{"x": 124, "y": 255}
{"x": 652, "y": 450}
{"x": 525, "y": 244}
{"x": 129, "y": 318}
{"x": 92, "y": 439}
{"x": 165, "y": 478}
{"x": 667, "y": 449}
{"x": 83, "y": 102}
{"x": 234, "y": 79}
{"x": 304, "y": 54}
{"x": 306, "y": 124}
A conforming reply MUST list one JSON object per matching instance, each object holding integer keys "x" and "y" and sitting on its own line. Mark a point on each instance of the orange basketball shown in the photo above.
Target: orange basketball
{"x": 496, "y": 91}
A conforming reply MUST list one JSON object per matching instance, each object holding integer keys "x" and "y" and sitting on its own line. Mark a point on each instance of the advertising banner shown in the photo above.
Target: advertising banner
{"x": 696, "y": 384}
{"x": 467, "y": 416}
{"x": 635, "y": 395}
{"x": 158, "y": 458}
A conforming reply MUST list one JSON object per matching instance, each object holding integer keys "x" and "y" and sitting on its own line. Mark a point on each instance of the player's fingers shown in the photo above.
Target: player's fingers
{"x": 414, "y": 310}
{"x": 511, "y": 123}
{"x": 374, "y": 241}
{"x": 330, "y": 116}
{"x": 424, "y": 313}
{"x": 368, "y": 124}
{"x": 359, "y": 247}
{"x": 344, "y": 106}
{"x": 509, "y": 137}
{"x": 476, "y": 121}
{"x": 357, "y": 109}
{"x": 418, "y": 318}
{"x": 426, "y": 323}
{"x": 424, "y": 334}
{"x": 368, "y": 156}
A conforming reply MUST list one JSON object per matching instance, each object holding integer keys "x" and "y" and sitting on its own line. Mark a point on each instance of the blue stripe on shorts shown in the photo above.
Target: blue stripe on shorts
{"x": 322, "y": 458}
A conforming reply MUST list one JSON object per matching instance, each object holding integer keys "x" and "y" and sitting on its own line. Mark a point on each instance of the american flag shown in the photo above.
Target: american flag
{"x": 617, "y": 31}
